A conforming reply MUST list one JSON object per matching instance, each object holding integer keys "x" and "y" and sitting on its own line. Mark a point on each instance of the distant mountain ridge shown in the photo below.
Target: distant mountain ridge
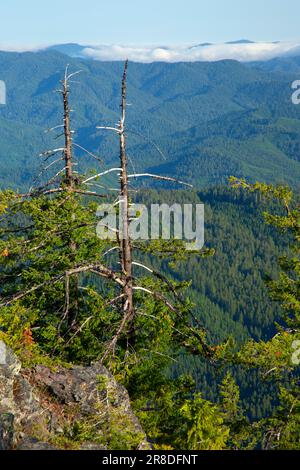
{"x": 70, "y": 49}
{"x": 241, "y": 41}
{"x": 209, "y": 119}
{"x": 244, "y": 50}
{"x": 76, "y": 50}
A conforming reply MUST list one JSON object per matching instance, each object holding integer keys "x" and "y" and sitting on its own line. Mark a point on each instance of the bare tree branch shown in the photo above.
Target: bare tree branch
{"x": 108, "y": 128}
{"x": 101, "y": 174}
{"x": 88, "y": 152}
{"x": 23, "y": 294}
{"x": 163, "y": 178}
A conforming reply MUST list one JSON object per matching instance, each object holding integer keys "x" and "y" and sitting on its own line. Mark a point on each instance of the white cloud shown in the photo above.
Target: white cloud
{"x": 244, "y": 52}
{"x": 20, "y": 47}
{"x": 241, "y": 52}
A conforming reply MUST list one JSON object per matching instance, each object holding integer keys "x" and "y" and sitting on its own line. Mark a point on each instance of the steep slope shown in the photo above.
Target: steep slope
{"x": 202, "y": 115}
{"x": 250, "y": 143}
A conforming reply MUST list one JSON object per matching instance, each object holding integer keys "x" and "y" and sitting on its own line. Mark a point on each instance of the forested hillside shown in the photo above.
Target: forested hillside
{"x": 210, "y": 120}
{"x": 228, "y": 290}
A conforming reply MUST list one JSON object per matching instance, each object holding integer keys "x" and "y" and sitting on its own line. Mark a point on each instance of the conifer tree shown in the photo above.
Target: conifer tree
{"x": 278, "y": 358}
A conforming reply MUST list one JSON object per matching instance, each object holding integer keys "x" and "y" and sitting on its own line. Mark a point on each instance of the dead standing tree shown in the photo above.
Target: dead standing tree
{"x": 129, "y": 285}
{"x": 70, "y": 182}
{"x": 68, "y": 185}
{"x": 124, "y": 235}
{"x": 69, "y": 179}
{"x": 71, "y": 185}
{"x": 123, "y": 232}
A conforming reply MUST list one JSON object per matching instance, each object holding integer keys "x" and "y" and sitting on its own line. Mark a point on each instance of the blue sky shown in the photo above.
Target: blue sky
{"x": 36, "y": 22}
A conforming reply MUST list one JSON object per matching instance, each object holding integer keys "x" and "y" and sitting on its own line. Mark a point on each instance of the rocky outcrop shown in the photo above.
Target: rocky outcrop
{"x": 6, "y": 431}
{"x": 64, "y": 408}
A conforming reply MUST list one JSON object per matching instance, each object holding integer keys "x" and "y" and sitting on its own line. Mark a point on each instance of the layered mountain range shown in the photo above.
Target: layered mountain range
{"x": 203, "y": 121}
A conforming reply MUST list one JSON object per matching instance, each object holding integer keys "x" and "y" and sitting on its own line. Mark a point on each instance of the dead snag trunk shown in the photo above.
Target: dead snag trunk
{"x": 125, "y": 241}
{"x": 69, "y": 182}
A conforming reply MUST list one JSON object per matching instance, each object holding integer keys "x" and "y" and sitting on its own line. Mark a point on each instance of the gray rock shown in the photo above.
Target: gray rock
{"x": 40, "y": 406}
{"x": 91, "y": 446}
{"x": 6, "y": 431}
{"x": 9, "y": 363}
{"x": 34, "y": 444}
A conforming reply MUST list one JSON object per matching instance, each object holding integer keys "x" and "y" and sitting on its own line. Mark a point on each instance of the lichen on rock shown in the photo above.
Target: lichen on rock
{"x": 64, "y": 408}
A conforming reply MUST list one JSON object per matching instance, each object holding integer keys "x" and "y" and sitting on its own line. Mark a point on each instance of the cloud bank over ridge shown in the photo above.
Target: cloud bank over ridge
{"x": 243, "y": 50}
